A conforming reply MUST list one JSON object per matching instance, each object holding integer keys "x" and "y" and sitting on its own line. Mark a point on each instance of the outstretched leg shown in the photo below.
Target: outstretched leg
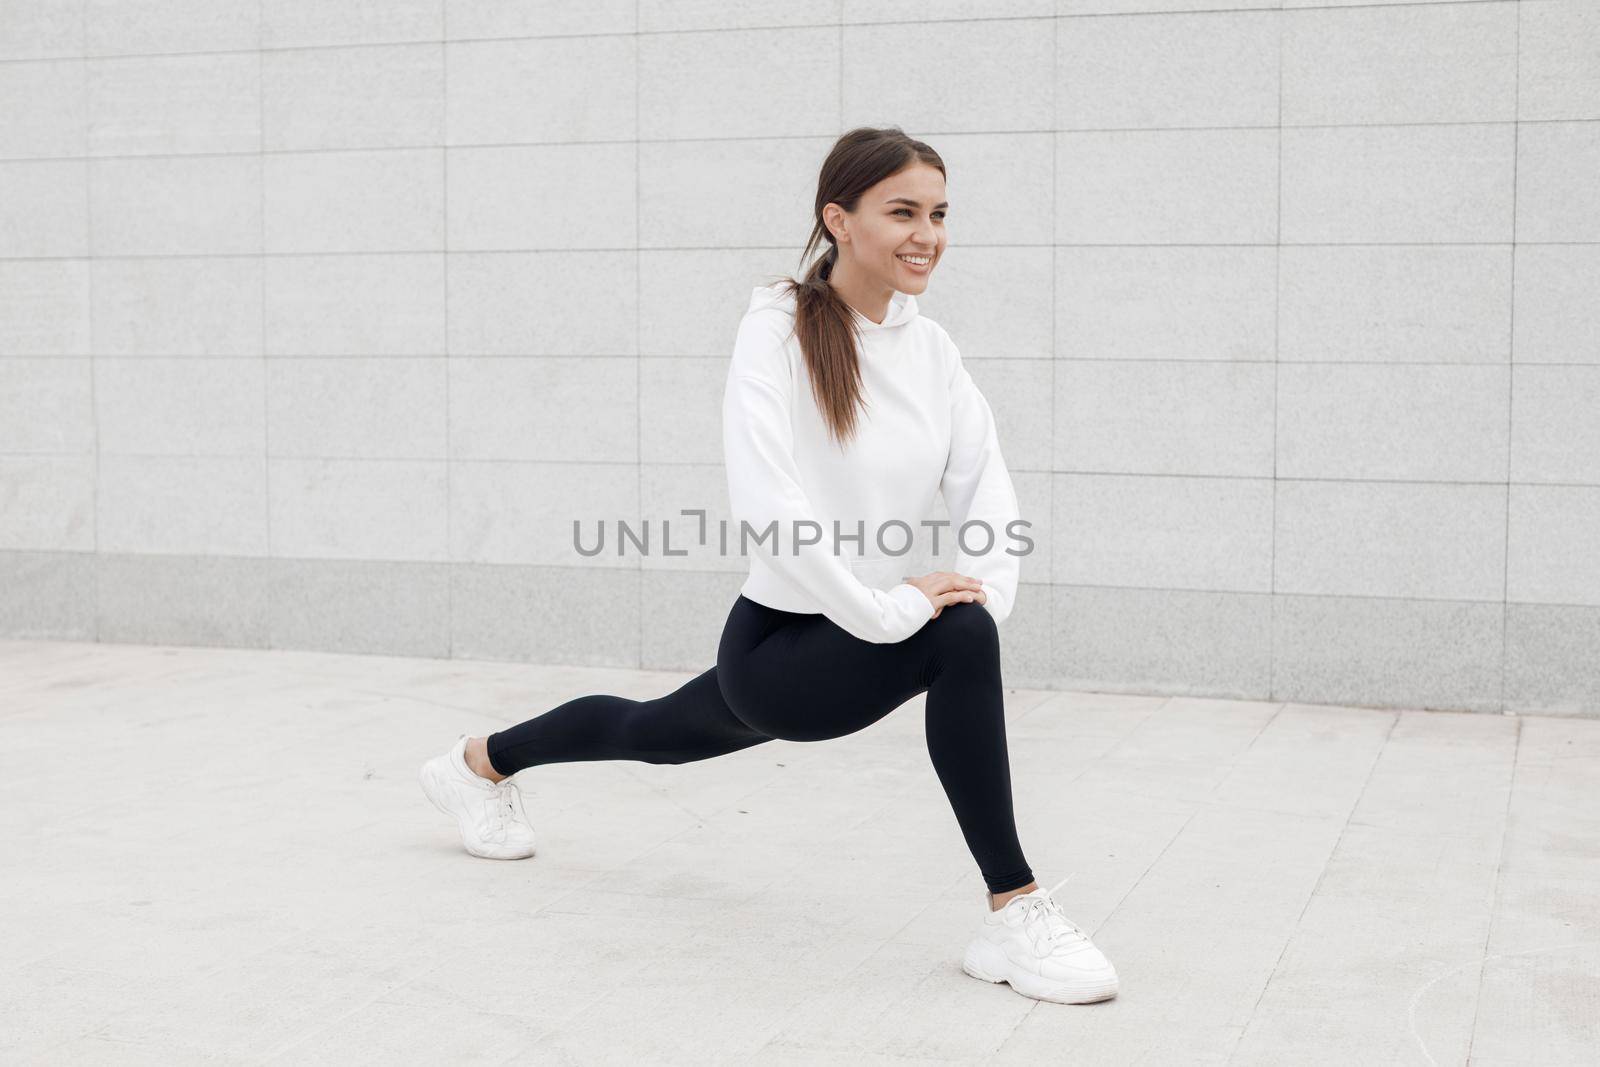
{"x": 691, "y": 723}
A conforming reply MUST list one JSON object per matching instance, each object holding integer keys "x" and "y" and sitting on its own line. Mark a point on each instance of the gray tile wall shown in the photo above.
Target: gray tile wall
{"x": 321, "y": 323}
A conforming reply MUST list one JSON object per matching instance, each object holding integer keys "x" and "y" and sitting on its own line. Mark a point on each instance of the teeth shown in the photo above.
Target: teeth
{"x": 921, "y": 261}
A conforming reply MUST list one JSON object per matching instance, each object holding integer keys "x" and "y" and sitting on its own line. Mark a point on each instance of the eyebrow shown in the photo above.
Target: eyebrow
{"x": 913, "y": 203}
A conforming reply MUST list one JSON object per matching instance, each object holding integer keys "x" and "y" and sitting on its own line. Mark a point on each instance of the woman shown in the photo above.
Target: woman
{"x": 842, "y": 405}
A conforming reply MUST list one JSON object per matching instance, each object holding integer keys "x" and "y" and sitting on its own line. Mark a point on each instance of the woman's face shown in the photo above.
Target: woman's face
{"x": 901, "y": 216}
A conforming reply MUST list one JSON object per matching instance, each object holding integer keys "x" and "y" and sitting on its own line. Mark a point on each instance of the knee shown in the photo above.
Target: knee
{"x": 967, "y": 628}
{"x": 964, "y": 636}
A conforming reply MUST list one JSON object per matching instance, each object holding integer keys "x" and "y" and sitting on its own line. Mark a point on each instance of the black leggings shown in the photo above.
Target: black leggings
{"x": 799, "y": 677}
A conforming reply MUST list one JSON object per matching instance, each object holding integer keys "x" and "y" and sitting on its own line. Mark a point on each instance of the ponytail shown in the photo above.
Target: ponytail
{"x": 824, "y": 323}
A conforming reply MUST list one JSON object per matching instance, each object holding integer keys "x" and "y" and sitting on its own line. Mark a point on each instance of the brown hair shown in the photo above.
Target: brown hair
{"x": 858, "y": 160}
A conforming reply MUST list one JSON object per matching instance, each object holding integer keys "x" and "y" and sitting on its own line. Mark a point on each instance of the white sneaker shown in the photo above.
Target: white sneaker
{"x": 1041, "y": 953}
{"x": 489, "y": 814}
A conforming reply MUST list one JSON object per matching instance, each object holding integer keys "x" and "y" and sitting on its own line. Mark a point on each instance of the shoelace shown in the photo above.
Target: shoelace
{"x": 503, "y": 804}
{"x": 1041, "y": 914}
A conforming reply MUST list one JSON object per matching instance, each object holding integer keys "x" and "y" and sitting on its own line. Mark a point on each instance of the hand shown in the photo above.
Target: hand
{"x": 947, "y": 587}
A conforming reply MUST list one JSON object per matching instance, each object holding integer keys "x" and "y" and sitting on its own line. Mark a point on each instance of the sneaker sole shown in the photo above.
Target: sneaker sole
{"x": 984, "y": 957}
{"x": 426, "y": 776}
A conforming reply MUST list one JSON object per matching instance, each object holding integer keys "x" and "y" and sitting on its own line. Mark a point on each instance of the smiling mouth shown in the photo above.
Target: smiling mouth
{"x": 920, "y": 261}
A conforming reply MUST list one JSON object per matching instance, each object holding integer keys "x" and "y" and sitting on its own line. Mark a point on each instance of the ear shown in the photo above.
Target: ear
{"x": 833, "y": 217}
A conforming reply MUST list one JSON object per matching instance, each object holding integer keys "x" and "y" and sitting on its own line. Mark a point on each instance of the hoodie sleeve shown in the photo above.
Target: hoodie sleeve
{"x": 976, "y": 486}
{"x": 764, "y": 486}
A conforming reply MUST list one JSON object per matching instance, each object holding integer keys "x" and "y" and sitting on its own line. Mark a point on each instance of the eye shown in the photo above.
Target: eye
{"x": 936, "y": 214}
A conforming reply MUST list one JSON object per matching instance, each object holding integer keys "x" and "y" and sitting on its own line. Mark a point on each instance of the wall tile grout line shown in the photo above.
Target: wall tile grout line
{"x": 1053, "y": 651}
{"x": 614, "y": 249}
{"x": 400, "y": 357}
{"x": 714, "y": 572}
{"x": 639, "y": 613}
{"x": 274, "y": 588}
{"x": 706, "y": 30}
{"x": 451, "y": 569}
{"x": 1031, "y": 131}
{"x": 97, "y": 564}
{"x": 685, "y": 464}
{"x": 1277, "y": 359}
{"x": 1511, "y": 381}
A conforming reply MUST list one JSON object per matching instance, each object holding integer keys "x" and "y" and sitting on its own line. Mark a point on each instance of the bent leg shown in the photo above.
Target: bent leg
{"x": 803, "y": 678}
{"x": 966, "y": 733}
{"x": 691, "y": 723}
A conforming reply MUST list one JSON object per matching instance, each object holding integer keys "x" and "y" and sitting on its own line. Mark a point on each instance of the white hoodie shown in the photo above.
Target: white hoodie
{"x": 925, "y": 429}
